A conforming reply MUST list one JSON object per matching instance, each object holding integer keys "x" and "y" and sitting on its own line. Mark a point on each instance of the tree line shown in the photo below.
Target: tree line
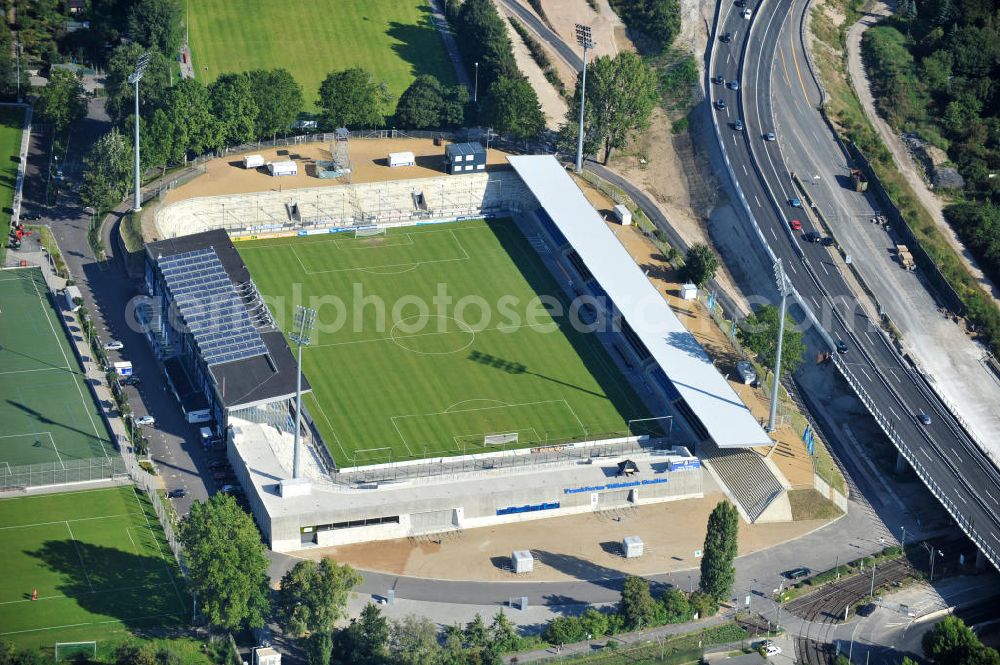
{"x": 934, "y": 68}
{"x": 658, "y": 20}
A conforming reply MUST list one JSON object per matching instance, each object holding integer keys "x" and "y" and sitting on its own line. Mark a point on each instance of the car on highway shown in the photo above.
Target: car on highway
{"x": 720, "y": 104}
{"x": 719, "y": 79}
{"x": 733, "y": 85}
{"x": 795, "y": 202}
{"x": 924, "y": 418}
{"x": 113, "y": 345}
{"x": 841, "y": 346}
{"x": 740, "y": 3}
{"x": 796, "y": 573}
{"x": 770, "y": 136}
{"x": 827, "y": 241}
{"x": 795, "y": 225}
{"x": 747, "y": 13}
{"x": 726, "y": 37}
{"x": 811, "y": 236}
{"x": 178, "y": 493}
{"x": 145, "y": 421}
{"x": 738, "y": 125}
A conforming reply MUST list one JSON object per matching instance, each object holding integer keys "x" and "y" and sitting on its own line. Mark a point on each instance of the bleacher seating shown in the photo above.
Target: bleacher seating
{"x": 750, "y": 482}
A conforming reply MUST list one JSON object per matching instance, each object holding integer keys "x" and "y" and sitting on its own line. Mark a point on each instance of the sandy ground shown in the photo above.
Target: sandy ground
{"x": 553, "y": 105}
{"x": 900, "y": 155}
{"x": 563, "y": 15}
{"x": 574, "y": 547}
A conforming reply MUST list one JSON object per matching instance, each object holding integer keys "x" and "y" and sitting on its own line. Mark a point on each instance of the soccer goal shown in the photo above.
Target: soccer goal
{"x": 369, "y": 231}
{"x": 499, "y": 440}
{"x": 74, "y": 650}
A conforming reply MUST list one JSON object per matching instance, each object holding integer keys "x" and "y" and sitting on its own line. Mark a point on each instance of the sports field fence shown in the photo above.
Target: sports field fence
{"x": 60, "y": 472}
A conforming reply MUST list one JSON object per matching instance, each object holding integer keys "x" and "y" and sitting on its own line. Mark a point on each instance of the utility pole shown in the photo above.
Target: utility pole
{"x": 872, "y": 591}
{"x": 304, "y": 320}
{"x": 584, "y": 39}
{"x": 784, "y": 289}
{"x": 134, "y": 78}
{"x": 17, "y": 51}
{"x": 932, "y": 550}
{"x": 902, "y": 543}
{"x": 475, "y": 88}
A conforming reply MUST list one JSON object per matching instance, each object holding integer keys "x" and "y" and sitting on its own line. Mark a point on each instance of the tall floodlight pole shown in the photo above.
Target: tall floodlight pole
{"x": 134, "y": 78}
{"x": 475, "y": 88}
{"x": 784, "y": 289}
{"x": 304, "y": 320}
{"x": 583, "y": 38}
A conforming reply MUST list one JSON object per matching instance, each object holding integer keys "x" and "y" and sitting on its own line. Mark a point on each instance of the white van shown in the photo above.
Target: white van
{"x": 747, "y": 13}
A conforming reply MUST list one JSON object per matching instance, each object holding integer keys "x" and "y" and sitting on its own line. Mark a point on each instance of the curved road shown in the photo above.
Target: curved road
{"x": 947, "y": 460}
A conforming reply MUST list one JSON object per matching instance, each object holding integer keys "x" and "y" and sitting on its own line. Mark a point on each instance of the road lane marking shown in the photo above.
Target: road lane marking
{"x": 784, "y": 65}
{"x": 866, "y": 375}
{"x": 815, "y": 302}
{"x": 995, "y": 537}
{"x": 963, "y": 499}
{"x": 994, "y": 498}
{"x": 745, "y": 169}
{"x": 771, "y": 229}
{"x": 822, "y": 264}
{"x": 893, "y": 411}
{"x": 758, "y": 202}
{"x": 795, "y": 60}
{"x": 925, "y": 453}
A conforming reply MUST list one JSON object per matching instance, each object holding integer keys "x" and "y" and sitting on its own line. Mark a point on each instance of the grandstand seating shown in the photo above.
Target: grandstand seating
{"x": 749, "y": 481}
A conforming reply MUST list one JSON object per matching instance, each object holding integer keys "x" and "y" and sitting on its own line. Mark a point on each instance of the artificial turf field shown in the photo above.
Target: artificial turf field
{"x": 394, "y": 40}
{"x": 418, "y": 384}
{"x": 99, "y": 562}
{"x": 47, "y": 410}
{"x": 11, "y": 126}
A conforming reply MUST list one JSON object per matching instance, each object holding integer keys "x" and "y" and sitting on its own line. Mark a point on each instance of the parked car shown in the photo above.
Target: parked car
{"x": 145, "y": 421}
{"x": 795, "y": 202}
{"x": 867, "y": 609}
{"x": 113, "y": 345}
{"x": 733, "y": 85}
{"x": 811, "y": 236}
{"x": 772, "y": 649}
{"x": 230, "y": 488}
{"x": 178, "y": 493}
{"x": 218, "y": 464}
{"x": 738, "y": 125}
{"x": 797, "y": 573}
{"x": 131, "y": 380}
{"x": 770, "y": 136}
{"x": 795, "y": 224}
{"x": 31, "y": 217}
{"x": 841, "y": 346}
{"x": 827, "y": 241}
{"x": 720, "y": 104}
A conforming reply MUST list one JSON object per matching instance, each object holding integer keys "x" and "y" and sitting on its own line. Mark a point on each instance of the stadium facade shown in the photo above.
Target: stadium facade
{"x": 248, "y": 394}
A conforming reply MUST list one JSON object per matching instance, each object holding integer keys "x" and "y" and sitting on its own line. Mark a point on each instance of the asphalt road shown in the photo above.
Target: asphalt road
{"x": 968, "y": 484}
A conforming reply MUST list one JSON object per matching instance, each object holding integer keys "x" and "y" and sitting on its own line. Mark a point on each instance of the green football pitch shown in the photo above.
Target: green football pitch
{"x": 394, "y": 40}
{"x": 47, "y": 410}
{"x": 399, "y": 372}
{"x": 98, "y": 561}
{"x": 11, "y": 126}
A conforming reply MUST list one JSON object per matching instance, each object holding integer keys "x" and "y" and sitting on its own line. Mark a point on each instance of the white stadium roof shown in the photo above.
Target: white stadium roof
{"x": 726, "y": 418}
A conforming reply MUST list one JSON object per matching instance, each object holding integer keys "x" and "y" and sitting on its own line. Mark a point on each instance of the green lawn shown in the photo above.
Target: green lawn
{"x": 47, "y": 409}
{"x": 11, "y": 124}
{"x": 100, "y": 565}
{"x": 425, "y": 376}
{"x": 393, "y": 39}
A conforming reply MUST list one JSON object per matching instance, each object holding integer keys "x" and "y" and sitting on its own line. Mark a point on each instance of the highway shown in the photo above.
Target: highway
{"x": 941, "y": 452}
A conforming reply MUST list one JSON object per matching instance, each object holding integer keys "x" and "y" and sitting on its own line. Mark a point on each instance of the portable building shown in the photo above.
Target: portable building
{"x": 123, "y": 368}
{"x": 623, "y": 214}
{"x": 286, "y": 167}
{"x": 464, "y": 158}
{"x": 689, "y": 292}
{"x": 522, "y": 562}
{"x": 402, "y": 159}
{"x": 266, "y": 656}
{"x": 253, "y": 161}
{"x": 632, "y": 547}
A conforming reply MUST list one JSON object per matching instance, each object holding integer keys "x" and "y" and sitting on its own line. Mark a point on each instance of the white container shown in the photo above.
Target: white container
{"x": 623, "y": 214}
{"x": 521, "y": 561}
{"x": 689, "y": 292}
{"x": 253, "y": 161}
{"x": 123, "y": 368}
{"x": 632, "y": 547}
{"x": 402, "y": 159}
{"x": 287, "y": 167}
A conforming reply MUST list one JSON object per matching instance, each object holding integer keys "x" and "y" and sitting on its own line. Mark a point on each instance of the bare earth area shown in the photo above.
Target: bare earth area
{"x": 900, "y": 155}
{"x": 553, "y": 104}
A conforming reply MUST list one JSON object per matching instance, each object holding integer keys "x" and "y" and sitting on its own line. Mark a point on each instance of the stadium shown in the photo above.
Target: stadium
{"x": 484, "y": 351}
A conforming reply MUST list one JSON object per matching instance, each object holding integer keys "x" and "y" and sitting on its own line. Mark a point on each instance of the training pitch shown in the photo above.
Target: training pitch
{"x": 46, "y": 407}
{"x": 432, "y": 378}
{"x": 11, "y": 125}
{"x": 98, "y": 561}
{"x": 394, "y": 40}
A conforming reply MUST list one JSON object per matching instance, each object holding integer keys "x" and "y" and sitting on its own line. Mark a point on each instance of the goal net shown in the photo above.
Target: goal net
{"x": 368, "y": 231}
{"x": 74, "y": 650}
{"x": 499, "y": 439}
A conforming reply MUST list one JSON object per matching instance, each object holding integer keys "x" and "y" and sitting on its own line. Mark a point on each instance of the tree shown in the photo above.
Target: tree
{"x": 413, "y": 640}
{"x": 228, "y": 567}
{"x": 279, "y": 100}
{"x": 594, "y": 622}
{"x": 621, "y": 94}
{"x": 475, "y": 634}
{"x": 313, "y": 596}
{"x": 364, "y": 641}
{"x": 107, "y": 171}
{"x": 420, "y": 104}
{"x": 717, "y": 572}
{"x": 63, "y": 100}
{"x": 676, "y": 608}
{"x": 700, "y": 264}
{"x": 637, "y": 606}
{"x": 563, "y": 630}
{"x": 454, "y": 100}
{"x": 503, "y": 633}
{"x": 318, "y": 648}
{"x": 233, "y": 104}
{"x": 951, "y": 642}
{"x": 702, "y": 604}
{"x": 352, "y": 98}
{"x": 156, "y": 24}
{"x": 482, "y": 37}
{"x": 189, "y": 112}
{"x": 759, "y": 333}
{"x": 121, "y": 94}
{"x": 511, "y": 107}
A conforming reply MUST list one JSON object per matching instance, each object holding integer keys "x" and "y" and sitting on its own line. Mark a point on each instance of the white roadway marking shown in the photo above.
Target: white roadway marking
{"x": 963, "y": 499}
{"x": 893, "y": 412}
{"x": 771, "y": 229}
{"x": 822, "y": 264}
{"x": 815, "y": 302}
{"x": 925, "y": 453}
{"x": 791, "y": 266}
{"x": 862, "y": 368}
{"x": 745, "y": 169}
{"x": 758, "y": 201}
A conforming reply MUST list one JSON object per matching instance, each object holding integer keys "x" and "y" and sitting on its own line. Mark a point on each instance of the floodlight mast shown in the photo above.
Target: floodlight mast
{"x": 134, "y": 78}
{"x": 304, "y": 320}
{"x": 583, "y": 38}
{"x": 784, "y": 289}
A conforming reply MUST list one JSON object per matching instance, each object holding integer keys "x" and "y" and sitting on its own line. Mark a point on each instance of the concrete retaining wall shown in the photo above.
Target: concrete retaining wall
{"x": 824, "y": 488}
